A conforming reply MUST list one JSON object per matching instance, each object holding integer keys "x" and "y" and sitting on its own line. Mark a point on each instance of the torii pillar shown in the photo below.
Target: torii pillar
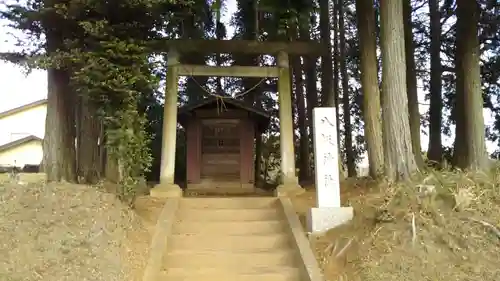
{"x": 167, "y": 187}
{"x": 289, "y": 181}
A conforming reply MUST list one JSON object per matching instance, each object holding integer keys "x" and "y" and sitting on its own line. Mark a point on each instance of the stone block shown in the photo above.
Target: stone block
{"x": 288, "y": 190}
{"x": 320, "y": 220}
{"x": 166, "y": 191}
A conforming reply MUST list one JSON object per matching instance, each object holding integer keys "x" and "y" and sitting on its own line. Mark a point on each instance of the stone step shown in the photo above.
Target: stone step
{"x": 230, "y": 227}
{"x": 200, "y": 242}
{"x": 227, "y": 203}
{"x": 180, "y": 271}
{"x": 229, "y": 260}
{"x": 200, "y": 275}
{"x": 228, "y": 214}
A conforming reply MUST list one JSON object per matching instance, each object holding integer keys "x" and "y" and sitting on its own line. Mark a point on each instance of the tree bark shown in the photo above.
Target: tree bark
{"x": 87, "y": 139}
{"x": 258, "y": 150}
{"x": 329, "y": 96}
{"x": 349, "y": 151}
{"x": 435, "y": 150}
{"x": 301, "y": 111}
{"x": 370, "y": 87}
{"x": 190, "y": 31}
{"x": 399, "y": 157}
{"x": 459, "y": 148}
{"x": 336, "y": 72}
{"x": 311, "y": 90}
{"x": 468, "y": 50}
{"x": 59, "y": 145}
{"x": 327, "y": 93}
{"x": 411, "y": 84}
{"x": 59, "y": 140}
{"x": 301, "y": 84}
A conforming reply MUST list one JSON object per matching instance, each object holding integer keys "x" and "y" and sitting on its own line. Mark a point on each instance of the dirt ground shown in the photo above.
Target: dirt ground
{"x": 71, "y": 232}
{"x": 444, "y": 226}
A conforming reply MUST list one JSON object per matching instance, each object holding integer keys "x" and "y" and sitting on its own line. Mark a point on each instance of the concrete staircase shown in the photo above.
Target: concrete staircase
{"x": 231, "y": 239}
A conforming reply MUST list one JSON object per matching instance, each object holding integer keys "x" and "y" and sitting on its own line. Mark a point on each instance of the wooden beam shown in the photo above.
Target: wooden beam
{"x": 228, "y": 71}
{"x": 311, "y": 48}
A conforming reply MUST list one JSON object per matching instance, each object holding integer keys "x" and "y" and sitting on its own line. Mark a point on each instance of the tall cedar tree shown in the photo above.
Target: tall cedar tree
{"x": 349, "y": 151}
{"x": 369, "y": 85}
{"x": 411, "y": 84}
{"x": 435, "y": 151}
{"x": 470, "y": 123}
{"x": 399, "y": 158}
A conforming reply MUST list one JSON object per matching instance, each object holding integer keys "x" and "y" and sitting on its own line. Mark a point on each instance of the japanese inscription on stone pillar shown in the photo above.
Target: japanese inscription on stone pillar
{"x": 326, "y": 157}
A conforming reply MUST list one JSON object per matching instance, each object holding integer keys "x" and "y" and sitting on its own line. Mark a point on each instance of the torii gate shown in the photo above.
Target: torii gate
{"x": 282, "y": 50}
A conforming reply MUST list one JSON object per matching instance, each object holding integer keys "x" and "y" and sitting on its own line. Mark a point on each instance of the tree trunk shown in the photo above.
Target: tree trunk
{"x": 399, "y": 157}
{"x": 312, "y": 102}
{"x": 87, "y": 139}
{"x": 411, "y": 84}
{"x": 311, "y": 90}
{"x": 113, "y": 173}
{"x": 250, "y": 19}
{"x": 258, "y": 150}
{"x": 58, "y": 145}
{"x": 219, "y": 34}
{"x": 457, "y": 113}
{"x": 328, "y": 97}
{"x": 370, "y": 86}
{"x": 190, "y": 31}
{"x": 102, "y": 150}
{"x": 469, "y": 52}
{"x": 295, "y": 111}
{"x": 301, "y": 111}
{"x": 299, "y": 71}
{"x": 350, "y": 157}
{"x": 336, "y": 72}
{"x": 435, "y": 150}
{"x": 327, "y": 94}
{"x": 59, "y": 140}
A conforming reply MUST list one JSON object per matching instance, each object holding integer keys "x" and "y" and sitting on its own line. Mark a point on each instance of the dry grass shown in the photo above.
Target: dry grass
{"x": 69, "y": 232}
{"x": 446, "y": 227}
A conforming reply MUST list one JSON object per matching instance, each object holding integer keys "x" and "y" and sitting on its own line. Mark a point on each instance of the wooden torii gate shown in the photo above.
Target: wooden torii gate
{"x": 282, "y": 50}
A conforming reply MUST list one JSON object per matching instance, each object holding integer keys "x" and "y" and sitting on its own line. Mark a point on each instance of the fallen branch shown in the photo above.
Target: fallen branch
{"x": 331, "y": 248}
{"x": 493, "y": 228}
{"x": 344, "y": 249}
{"x": 374, "y": 234}
{"x": 413, "y": 229}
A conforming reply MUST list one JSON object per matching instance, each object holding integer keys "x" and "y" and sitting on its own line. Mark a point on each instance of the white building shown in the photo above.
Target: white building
{"x": 21, "y": 133}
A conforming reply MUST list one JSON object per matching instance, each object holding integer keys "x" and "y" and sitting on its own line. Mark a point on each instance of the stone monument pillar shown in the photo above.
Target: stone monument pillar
{"x": 328, "y": 212}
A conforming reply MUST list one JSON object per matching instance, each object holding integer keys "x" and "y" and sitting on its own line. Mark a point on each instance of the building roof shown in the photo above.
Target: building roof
{"x": 227, "y": 100}
{"x": 19, "y": 142}
{"x": 261, "y": 116}
{"x": 22, "y": 108}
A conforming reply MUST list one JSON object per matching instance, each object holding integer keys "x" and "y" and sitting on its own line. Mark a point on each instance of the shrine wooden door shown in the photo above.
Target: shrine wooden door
{"x": 220, "y": 150}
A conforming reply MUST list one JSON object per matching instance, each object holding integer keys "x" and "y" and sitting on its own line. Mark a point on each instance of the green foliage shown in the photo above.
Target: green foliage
{"x": 102, "y": 45}
{"x": 114, "y": 75}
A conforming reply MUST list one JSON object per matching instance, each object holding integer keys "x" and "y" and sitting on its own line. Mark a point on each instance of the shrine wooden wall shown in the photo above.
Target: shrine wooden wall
{"x": 194, "y": 138}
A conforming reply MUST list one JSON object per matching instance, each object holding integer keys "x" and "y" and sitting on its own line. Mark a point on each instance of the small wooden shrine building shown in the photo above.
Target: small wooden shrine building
{"x": 207, "y": 167}
{"x": 220, "y": 138}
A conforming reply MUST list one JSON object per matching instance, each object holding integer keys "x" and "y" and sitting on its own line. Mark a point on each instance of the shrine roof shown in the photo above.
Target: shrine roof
{"x": 261, "y": 116}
